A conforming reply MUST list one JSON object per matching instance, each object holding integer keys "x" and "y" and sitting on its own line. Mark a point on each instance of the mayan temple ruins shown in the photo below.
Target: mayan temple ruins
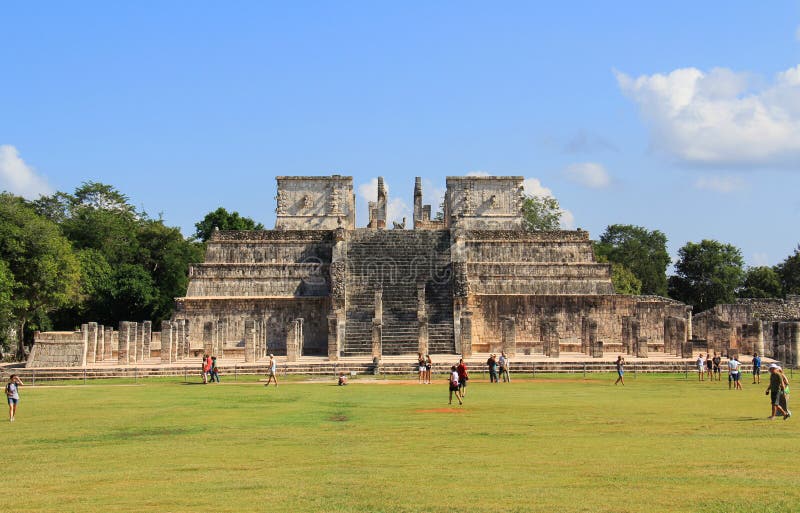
{"x": 470, "y": 281}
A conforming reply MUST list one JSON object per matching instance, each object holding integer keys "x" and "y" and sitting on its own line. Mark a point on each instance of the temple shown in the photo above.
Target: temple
{"x": 469, "y": 280}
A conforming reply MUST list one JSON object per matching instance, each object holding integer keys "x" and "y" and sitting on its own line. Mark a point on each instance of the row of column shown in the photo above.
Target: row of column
{"x": 99, "y": 342}
{"x": 174, "y": 340}
{"x": 133, "y": 342}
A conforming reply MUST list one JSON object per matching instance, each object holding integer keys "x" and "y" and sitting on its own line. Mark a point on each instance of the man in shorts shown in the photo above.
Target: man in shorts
{"x": 717, "y": 362}
{"x": 463, "y": 377}
{"x": 756, "y": 369}
{"x": 272, "y": 373}
{"x": 775, "y": 391}
{"x": 734, "y": 373}
{"x": 701, "y": 367}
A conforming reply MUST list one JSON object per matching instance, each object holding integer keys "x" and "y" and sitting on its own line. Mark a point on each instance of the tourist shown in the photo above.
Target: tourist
{"x": 504, "y": 366}
{"x": 214, "y": 370}
{"x": 785, "y": 395}
{"x": 733, "y": 373}
{"x": 701, "y": 367}
{"x": 206, "y": 368}
{"x": 273, "y": 371}
{"x": 620, "y": 363}
{"x": 492, "y": 364}
{"x": 428, "y": 367}
{"x": 463, "y": 377}
{"x": 756, "y": 369}
{"x": 421, "y": 369}
{"x": 775, "y": 391}
{"x": 710, "y": 367}
{"x": 12, "y": 394}
{"x": 342, "y": 379}
{"x": 454, "y": 386}
{"x": 717, "y": 360}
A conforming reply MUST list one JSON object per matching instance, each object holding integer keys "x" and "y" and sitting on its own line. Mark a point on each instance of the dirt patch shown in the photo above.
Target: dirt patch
{"x": 339, "y": 418}
{"x": 440, "y": 410}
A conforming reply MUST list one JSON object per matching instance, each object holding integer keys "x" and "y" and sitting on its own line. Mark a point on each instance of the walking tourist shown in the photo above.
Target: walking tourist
{"x": 272, "y": 372}
{"x": 492, "y": 364}
{"x": 12, "y": 394}
{"x": 421, "y": 369}
{"x": 785, "y": 396}
{"x": 709, "y": 367}
{"x": 504, "y": 366}
{"x": 463, "y": 377}
{"x": 206, "y": 368}
{"x": 775, "y": 391}
{"x": 701, "y": 367}
{"x": 717, "y": 360}
{"x": 733, "y": 373}
{"x": 620, "y": 363}
{"x": 756, "y": 369}
{"x": 428, "y": 367}
{"x": 214, "y": 370}
{"x": 454, "y": 386}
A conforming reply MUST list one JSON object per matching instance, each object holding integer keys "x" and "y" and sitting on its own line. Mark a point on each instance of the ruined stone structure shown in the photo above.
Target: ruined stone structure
{"x": 769, "y": 327}
{"x": 473, "y": 281}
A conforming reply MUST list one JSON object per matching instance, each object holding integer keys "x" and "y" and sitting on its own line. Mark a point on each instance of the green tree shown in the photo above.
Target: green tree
{"x": 789, "y": 273}
{"x": 707, "y": 274}
{"x": 6, "y": 304}
{"x": 761, "y": 282}
{"x": 541, "y": 213}
{"x": 45, "y": 270}
{"x": 223, "y": 220}
{"x": 625, "y": 282}
{"x": 639, "y": 250}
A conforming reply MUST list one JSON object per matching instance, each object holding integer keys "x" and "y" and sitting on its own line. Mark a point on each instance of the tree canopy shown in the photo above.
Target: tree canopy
{"x": 223, "y": 220}
{"x": 707, "y": 274}
{"x": 761, "y": 282}
{"x": 639, "y": 250}
{"x": 788, "y": 272}
{"x": 541, "y": 213}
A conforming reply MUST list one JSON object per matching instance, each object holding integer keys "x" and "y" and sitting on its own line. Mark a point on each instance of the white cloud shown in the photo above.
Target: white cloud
{"x": 588, "y": 174}
{"x": 534, "y": 187}
{"x": 721, "y": 184}
{"x": 479, "y": 173}
{"x": 19, "y": 178}
{"x": 396, "y": 209}
{"x": 432, "y": 195}
{"x": 720, "y": 117}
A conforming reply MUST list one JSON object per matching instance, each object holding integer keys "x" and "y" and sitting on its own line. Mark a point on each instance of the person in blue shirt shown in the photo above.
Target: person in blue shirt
{"x": 756, "y": 368}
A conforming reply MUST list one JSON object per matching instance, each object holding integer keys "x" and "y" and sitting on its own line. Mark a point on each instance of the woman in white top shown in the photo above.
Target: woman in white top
{"x": 454, "y": 385}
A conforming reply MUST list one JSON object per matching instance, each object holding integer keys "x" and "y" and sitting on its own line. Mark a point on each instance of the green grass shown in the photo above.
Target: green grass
{"x": 560, "y": 444}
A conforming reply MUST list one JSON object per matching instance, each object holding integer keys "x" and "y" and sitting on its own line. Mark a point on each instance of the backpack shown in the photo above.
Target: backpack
{"x": 9, "y": 392}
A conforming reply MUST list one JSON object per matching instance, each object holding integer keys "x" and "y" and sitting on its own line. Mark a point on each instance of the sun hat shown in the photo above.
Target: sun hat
{"x": 774, "y": 366}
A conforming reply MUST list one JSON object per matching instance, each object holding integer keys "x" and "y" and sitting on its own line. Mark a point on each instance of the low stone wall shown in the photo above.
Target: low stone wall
{"x": 59, "y": 349}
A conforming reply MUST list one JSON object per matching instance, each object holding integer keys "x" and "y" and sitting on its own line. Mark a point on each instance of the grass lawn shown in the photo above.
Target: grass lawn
{"x": 559, "y": 444}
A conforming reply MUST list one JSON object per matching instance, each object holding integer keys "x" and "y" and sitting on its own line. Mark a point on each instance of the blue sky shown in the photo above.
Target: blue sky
{"x": 683, "y": 117}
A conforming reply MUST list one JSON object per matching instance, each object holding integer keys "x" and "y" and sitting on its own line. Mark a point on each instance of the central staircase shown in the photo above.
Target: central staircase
{"x": 395, "y": 261}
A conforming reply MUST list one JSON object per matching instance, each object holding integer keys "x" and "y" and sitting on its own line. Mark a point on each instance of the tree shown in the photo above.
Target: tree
{"x": 707, "y": 274}
{"x": 541, "y": 213}
{"x": 789, "y": 273}
{"x": 6, "y": 304}
{"x": 223, "y": 220}
{"x": 761, "y": 282}
{"x": 45, "y": 270}
{"x": 641, "y": 251}
{"x": 625, "y": 282}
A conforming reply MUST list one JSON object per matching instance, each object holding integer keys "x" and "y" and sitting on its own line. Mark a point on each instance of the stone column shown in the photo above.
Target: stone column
{"x": 166, "y": 342}
{"x": 508, "y": 330}
{"x": 465, "y": 337}
{"x": 627, "y": 336}
{"x": 100, "y": 354}
{"x": 91, "y": 350}
{"x": 333, "y": 337}
{"x": 147, "y": 338}
{"x": 133, "y": 348}
{"x": 187, "y": 346}
{"x": 249, "y": 341}
{"x": 219, "y": 347}
{"x": 422, "y": 317}
{"x": 758, "y": 335}
{"x": 794, "y": 345}
{"x": 595, "y": 345}
{"x": 292, "y": 341}
{"x": 687, "y": 349}
{"x": 641, "y": 346}
{"x": 549, "y": 334}
{"x": 633, "y": 335}
{"x": 108, "y": 343}
{"x": 124, "y": 343}
{"x": 377, "y": 325}
{"x": 208, "y": 337}
{"x": 85, "y": 338}
{"x": 585, "y": 344}
{"x": 681, "y": 330}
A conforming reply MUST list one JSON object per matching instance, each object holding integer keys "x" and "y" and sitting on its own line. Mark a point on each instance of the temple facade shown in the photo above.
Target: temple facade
{"x": 470, "y": 280}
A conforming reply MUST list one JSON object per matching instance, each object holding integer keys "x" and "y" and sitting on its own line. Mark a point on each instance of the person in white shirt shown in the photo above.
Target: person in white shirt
{"x": 733, "y": 372}
{"x": 701, "y": 367}
{"x": 454, "y": 385}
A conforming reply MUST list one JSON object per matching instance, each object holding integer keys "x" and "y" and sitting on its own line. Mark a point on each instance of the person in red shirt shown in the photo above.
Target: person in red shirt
{"x": 463, "y": 377}
{"x": 206, "y": 368}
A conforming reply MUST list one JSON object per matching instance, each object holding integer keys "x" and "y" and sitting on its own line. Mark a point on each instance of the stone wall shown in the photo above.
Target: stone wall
{"x": 315, "y": 202}
{"x": 59, "y": 349}
{"x": 484, "y": 202}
